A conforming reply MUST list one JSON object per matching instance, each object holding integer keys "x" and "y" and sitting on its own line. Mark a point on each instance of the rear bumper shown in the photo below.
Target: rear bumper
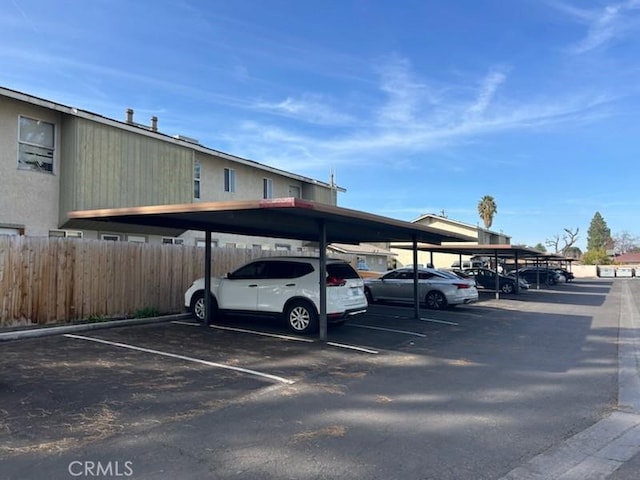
{"x": 464, "y": 300}
{"x": 339, "y": 317}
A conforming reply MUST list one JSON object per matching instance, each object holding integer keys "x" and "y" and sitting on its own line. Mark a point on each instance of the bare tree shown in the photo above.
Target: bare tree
{"x": 569, "y": 238}
{"x": 553, "y": 242}
{"x": 625, "y": 242}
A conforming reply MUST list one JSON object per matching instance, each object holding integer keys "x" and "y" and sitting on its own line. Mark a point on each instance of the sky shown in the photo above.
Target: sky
{"x": 417, "y": 106}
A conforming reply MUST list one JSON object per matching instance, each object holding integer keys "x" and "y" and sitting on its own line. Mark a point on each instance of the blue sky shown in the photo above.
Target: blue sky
{"x": 417, "y": 105}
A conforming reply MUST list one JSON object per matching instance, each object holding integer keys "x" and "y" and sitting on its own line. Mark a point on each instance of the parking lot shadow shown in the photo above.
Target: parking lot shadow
{"x": 490, "y": 382}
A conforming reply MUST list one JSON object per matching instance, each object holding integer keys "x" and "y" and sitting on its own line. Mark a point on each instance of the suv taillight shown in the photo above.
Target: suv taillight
{"x": 335, "y": 281}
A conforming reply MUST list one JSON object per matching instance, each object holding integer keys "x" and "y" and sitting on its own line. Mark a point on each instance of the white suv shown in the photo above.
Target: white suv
{"x": 286, "y": 286}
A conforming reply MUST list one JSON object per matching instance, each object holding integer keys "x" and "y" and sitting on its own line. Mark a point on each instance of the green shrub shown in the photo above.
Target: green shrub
{"x": 147, "y": 312}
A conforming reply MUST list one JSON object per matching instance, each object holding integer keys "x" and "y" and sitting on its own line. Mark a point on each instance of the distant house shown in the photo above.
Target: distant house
{"x": 55, "y": 159}
{"x": 368, "y": 257}
{"x": 628, "y": 259}
{"x": 483, "y": 236}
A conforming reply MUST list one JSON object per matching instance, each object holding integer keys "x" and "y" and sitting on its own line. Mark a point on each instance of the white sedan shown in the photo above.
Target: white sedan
{"x": 436, "y": 289}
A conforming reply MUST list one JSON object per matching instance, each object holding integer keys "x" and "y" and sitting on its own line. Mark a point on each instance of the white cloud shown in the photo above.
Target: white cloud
{"x": 488, "y": 89}
{"x": 604, "y": 25}
{"x": 404, "y": 93}
{"x": 408, "y": 121}
{"x": 308, "y": 108}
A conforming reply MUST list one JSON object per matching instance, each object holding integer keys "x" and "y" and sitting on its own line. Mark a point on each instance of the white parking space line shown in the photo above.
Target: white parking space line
{"x": 253, "y": 332}
{"x": 182, "y": 357}
{"x": 396, "y": 317}
{"x": 435, "y": 320}
{"x": 353, "y": 347}
{"x": 284, "y": 337}
{"x": 392, "y": 330}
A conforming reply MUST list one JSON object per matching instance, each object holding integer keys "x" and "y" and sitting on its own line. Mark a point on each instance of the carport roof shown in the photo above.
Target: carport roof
{"x": 502, "y": 251}
{"x": 292, "y": 218}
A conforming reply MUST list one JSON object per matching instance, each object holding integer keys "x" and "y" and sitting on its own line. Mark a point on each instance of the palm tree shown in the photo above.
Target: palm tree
{"x": 487, "y": 208}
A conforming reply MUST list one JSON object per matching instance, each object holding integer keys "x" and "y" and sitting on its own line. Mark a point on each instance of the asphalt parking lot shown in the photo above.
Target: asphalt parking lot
{"x": 471, "y": 392}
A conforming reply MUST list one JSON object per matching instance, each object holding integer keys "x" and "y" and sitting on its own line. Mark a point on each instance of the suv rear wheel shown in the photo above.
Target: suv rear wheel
{"x": 301, "y": 317}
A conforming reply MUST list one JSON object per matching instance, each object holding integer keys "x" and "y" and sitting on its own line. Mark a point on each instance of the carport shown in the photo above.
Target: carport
{"x": 515, "y": 252}
{"x": 291, "y": 218}
{"x": 552, "y": 257}
{"x": 548, "y": 258}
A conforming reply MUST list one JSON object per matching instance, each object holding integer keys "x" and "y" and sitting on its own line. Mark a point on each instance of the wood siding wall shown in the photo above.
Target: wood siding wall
{"x": 57, "y": 280}
{"x": 105, "y": 167}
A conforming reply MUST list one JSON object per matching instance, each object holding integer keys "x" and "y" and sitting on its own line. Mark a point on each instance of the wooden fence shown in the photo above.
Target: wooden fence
{"x": 55, "y": 280}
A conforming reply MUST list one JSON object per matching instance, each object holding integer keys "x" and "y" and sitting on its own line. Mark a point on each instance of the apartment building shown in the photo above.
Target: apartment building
{"x": 55, "y": 159}
{"x": 482, "y": 235}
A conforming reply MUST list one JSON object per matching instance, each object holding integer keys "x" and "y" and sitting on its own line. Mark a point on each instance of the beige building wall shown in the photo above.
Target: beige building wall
{"x": 440, "y": 260}
{"x": 446, "y": 260}
{"x": 452, "y": 227}
{"x": 100, "y": 163}
{"x": 29, "y": 199}
{"x": 248, "y": 181}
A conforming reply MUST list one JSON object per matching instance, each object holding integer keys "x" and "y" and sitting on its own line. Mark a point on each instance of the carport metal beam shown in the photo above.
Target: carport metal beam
{"x": 416, "y": 299}
{"x": 207, "y": 278}
{"x": 323, "y": 279}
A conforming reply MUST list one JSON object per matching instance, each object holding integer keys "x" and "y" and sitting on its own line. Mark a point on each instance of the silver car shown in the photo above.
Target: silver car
{"x": 436, "y": 289}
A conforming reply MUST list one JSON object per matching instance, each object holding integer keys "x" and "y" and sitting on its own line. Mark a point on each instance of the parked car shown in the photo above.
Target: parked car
{"x": 546, "y": 275}
{"x": 283, "y": 287}
{"x": 468, "y": 264}
{"x": 524, "y": 285}
{"x": 457, "y": 274}
{"x": 436, "y": 289}
{"x": 566, "y": 273}
{"x": 486, "y": 278}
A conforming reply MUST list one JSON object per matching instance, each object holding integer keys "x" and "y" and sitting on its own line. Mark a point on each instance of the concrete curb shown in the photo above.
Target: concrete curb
{"x": 59, "y": 330}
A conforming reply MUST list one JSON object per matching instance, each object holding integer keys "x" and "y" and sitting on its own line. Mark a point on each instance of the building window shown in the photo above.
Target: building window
{"x": 197, "y": 170}
{"x": 11, "y": 230}
{"x": 65, "y": 234}
{"x": 256, "y": 246}
{"x": 229, "y": 180}
{"x": 172, "y": 241}
{"x": 267, "y": 188}
{"x": 283, "y": 247}
{"x": 200, "y": 243}
{"x": 136, "y": 239}
{"x": 112, "y": 237}
{"x": 36, "y": 145}
{"x": 294, "y": 191}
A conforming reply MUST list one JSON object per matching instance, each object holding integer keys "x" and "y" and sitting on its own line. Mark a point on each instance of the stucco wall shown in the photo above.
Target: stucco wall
{"x": 248, "y": 181}
{"x": 440, "y": 260}
{"x": 29, "y": 198}
{"x": 584, "y": 271}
